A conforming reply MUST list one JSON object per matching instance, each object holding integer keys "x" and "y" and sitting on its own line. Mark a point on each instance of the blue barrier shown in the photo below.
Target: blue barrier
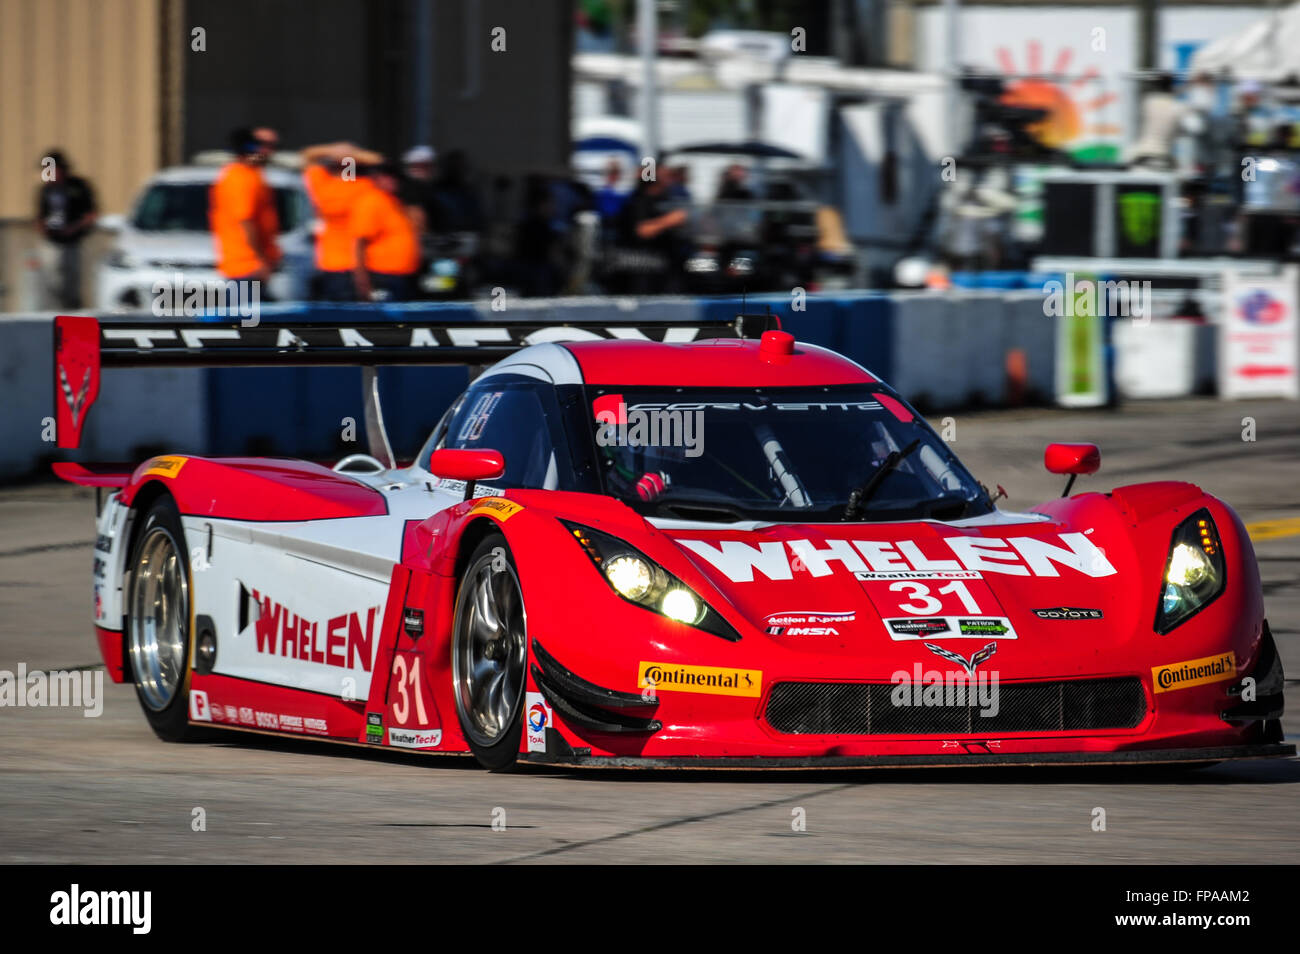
{"x": 944, "y": 350}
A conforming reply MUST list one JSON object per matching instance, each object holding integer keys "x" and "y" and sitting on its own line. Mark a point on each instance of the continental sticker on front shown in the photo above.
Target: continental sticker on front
{"x": 497, "y": 507}
{"x": 714, "y": 680}
{"x": 1194, "y": 672}
{"x": 165, "y": 466}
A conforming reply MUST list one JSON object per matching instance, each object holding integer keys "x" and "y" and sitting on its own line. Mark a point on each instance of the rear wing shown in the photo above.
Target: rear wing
{"x": 83, "y": 346}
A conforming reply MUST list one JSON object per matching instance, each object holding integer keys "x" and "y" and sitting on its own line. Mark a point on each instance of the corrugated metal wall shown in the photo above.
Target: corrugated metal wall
{"x": 82, "y": 76}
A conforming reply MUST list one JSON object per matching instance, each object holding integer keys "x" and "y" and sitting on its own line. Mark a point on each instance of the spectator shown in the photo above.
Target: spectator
{"x": 610, "y": 197}
{"x": 242, "y": 211}
{"x": 459, "y": 206}
{"x": 656, "y": 226}
{"x": 1163, "y": 118}
{"x": 333, "y": 186}
{"x": 386, "y": 243}
{"x": 734, "y": 183}
{"x": 538, "y": 242}
{"x": 679, "y": 183}
{"x": 419, "y": 189}
{"x": 66, "y": 211}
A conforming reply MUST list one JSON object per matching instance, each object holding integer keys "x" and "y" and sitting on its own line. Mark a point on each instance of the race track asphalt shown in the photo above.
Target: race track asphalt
{"x": 78, "y": 790}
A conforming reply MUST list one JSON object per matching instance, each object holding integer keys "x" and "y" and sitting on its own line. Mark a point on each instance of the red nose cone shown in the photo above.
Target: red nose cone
{"x": 775, "y": 345}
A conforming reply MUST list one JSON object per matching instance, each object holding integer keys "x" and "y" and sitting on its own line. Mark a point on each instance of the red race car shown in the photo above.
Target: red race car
{"x": 637, "y": 548}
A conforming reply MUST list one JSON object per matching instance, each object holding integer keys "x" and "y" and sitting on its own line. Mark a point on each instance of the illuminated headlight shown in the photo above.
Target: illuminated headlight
{"x": 630, "y": 576}
{"x": 1188, "y": 566}
{"x": 640, "y": 580}
{"x": 681, "y": 605}
{"x": 1194, "y": 571}
{"x": 700, "y": 263}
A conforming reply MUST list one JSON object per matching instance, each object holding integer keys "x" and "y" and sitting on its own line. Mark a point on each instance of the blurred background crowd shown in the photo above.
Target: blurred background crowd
{"x": 447, "y": 149}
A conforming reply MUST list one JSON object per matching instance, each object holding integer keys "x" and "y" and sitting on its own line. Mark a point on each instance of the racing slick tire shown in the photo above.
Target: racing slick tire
{"x": 489, "y": 654}
{"x": 158, "y": 622}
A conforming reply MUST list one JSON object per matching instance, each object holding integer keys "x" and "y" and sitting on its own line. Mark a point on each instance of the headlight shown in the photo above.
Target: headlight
{"x": 638, "y": 579}
{"x": 1194, "y": 571}
{"x": 631, "y": 577}
{"x": 681, "y": 605}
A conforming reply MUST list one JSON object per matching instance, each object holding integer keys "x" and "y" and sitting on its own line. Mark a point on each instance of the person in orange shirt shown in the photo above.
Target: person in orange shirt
{"x": 242, "y": 211}
{"x": 334, "y": 187}
{"x": 387, "y": 244}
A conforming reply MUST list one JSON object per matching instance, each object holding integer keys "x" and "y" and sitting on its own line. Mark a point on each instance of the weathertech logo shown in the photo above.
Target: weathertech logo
{"x": 665, "y": 677}
{"x": 1194, "y": 672}
{"x": 415, "y": 738}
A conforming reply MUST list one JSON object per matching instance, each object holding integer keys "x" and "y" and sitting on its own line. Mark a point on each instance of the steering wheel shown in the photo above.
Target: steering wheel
{"x": 347, "y": 464}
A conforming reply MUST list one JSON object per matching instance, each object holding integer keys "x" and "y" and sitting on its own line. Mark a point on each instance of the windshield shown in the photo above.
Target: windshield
{"x": 177, "y": 207}
{"x": 776, "y": 454}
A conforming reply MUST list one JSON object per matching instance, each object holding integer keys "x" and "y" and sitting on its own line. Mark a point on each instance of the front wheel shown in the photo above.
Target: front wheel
{"x": 158, "y": 622}
{"x": 489, "y": 654}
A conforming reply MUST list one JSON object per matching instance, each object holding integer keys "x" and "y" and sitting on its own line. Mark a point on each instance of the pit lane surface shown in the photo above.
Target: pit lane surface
{"x": 75, "y": 789}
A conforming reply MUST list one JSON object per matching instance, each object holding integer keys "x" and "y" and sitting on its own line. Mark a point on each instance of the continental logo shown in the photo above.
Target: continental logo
{"x": 165, "y": 466}
{"x": 714, "y": 680}
{"x": 497, "y": 507}
{"x": 1194, "y": 672}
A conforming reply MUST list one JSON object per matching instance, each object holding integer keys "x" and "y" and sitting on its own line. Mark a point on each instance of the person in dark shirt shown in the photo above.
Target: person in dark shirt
{"x": 65, "y": 214}
{"x": 734, "y": 183}
{"x": 419, "y": 192}
{"x": 655, "y": 223}
{"x": 537, "y": 265}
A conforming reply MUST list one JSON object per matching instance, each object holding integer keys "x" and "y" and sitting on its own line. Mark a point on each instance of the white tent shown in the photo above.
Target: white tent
{"x": 1268, "y": 50}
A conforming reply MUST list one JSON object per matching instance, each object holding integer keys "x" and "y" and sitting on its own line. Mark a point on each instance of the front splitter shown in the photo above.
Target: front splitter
{"x": 974, "y": 759}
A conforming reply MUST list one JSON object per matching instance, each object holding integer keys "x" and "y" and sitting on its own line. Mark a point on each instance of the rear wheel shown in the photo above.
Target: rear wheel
{"x": 158, "y": 622}
{"x": 489, "y": 654}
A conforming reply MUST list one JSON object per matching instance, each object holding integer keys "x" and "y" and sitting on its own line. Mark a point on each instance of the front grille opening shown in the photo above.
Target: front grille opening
{"x": 1067, "y": 705}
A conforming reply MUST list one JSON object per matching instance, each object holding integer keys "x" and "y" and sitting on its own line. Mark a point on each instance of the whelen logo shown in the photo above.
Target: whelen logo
{"x": 904, "y": 559}
{"x": 346, "y": 641}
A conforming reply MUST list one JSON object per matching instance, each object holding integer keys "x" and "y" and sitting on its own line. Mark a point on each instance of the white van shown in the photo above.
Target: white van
{"x": 166, "y": 233}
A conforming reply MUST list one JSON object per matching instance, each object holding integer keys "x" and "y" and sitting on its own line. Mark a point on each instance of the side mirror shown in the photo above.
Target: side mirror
{"x": 1072, "y": 459}
{"x": 111, "y": 223}
{"x": 470, "y": 466}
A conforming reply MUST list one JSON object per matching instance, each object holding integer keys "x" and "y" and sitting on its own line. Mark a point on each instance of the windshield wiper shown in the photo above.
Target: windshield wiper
{"x": 859, "y": 496}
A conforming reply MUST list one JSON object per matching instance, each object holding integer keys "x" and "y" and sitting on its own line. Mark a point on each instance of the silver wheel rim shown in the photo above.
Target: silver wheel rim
{"x": 490, "y": 650}
{"x": 159, "y": 610}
